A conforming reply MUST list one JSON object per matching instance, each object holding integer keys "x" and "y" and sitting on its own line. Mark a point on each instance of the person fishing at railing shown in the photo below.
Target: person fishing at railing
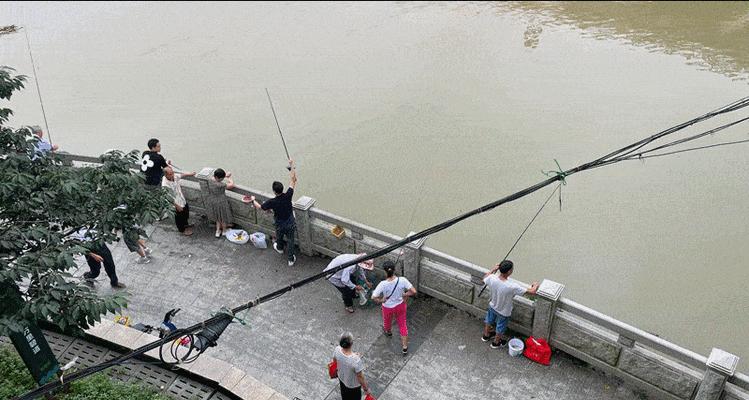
{"x": 500, "y": 307}
{"x": 283, "y": 214}
{"x": 171, "y": 181}
{"x": 391, "y": 293}
{"x": 42, "y": 146}
{"x": 152, "y": 163}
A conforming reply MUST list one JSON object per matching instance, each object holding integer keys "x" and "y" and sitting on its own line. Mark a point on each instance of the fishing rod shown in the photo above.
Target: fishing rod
{"x": 279, "y": 128}
{"x": 528, "y": 226}
{"x": 208, "y": 331}
{"x": 36, "y": 79}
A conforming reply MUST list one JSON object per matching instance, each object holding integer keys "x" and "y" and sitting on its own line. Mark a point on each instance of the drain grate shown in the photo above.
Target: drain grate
{"x": 123, "y": 372}
{"x": 189, "y": 390}
{"x": 88, "y": 354}
{"x": 220, "y": 396}
{"x": 58, "y": 343}
{"x": 153, "y": 375}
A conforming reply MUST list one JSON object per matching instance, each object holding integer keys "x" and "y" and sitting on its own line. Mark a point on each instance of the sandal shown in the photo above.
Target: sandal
{"x": 350, "y": 310}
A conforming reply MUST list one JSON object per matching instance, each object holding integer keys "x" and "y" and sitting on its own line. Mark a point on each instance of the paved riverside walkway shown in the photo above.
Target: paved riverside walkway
{"x": 287, "y": 342}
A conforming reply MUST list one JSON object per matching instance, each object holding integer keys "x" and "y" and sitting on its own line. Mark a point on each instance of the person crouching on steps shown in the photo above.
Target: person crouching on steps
{"x": 500, "y": 307}
{"x": 217, "y": 204}
{"x": 391, "y": 293}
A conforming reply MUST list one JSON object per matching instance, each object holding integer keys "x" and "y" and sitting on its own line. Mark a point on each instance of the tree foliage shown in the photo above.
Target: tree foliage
{"x": 43, "y": 201}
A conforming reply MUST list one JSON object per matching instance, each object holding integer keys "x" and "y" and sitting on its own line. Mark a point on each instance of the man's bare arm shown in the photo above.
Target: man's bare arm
{"x": 292, "y": 184}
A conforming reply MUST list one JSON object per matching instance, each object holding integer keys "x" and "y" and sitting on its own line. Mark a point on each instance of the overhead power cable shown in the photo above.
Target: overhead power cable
{"x": 219, "y": 321}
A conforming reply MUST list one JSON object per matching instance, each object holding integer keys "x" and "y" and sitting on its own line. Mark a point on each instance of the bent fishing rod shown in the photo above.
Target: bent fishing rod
{"x": 279, "y": 128}
{"x": 207, "y": 332}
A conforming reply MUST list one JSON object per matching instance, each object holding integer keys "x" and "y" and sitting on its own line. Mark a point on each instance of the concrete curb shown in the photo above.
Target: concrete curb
{"x": 225, "y": 375}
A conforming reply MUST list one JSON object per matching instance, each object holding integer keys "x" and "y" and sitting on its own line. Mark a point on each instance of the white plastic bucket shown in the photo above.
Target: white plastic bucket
{"x": 515, "y": 347}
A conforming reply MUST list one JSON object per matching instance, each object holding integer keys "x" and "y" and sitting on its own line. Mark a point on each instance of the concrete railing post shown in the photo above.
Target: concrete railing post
{"x": 304, "y": 224}
{"x": 203, "y": 176}
{"x": 720, "y": 365}
{"x": 412, "y": 260}
{"x": 548, "y": 294}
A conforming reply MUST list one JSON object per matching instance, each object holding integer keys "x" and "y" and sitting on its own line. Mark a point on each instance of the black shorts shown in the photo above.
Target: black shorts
{"x": 131, "y": 241}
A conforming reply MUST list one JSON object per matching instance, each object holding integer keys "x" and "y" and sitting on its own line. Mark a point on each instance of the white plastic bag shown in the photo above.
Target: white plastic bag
{"x": 258, "y": 239}
{"x": 237, "y": 236}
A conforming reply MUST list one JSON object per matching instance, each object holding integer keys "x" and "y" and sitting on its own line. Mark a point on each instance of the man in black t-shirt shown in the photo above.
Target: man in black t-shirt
{"x": 283, "y": 215}
{"x": 152, "y": 164}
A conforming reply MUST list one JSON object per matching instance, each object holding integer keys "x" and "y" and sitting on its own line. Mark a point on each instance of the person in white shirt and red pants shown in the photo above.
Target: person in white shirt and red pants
{"x": 391, "y": 293}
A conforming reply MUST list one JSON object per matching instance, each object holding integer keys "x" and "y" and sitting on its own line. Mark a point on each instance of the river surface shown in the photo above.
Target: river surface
{"x": 401, "y": 115}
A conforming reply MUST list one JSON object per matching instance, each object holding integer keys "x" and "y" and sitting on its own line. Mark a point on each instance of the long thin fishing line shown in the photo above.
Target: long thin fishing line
{"x": 693, "y": 137}
{"x": 641, "y": 155}
{"x": 736, "y": 105}
{"x": 559, "y": 186}
{"x": 601, "y": 161}
{"x": 36, "y": 79}
{"x": 687, "y": 150}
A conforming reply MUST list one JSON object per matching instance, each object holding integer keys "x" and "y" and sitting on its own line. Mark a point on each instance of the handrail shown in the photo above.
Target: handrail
{"x": 740, "y": 380}
{"x": 238, "y": 189}
{"x": 453, "y": 262}
{"x": 366, "y": 230}
{"x": 638, "y": 335}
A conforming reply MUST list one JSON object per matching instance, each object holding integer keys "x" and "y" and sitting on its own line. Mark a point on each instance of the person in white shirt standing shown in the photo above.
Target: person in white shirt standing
{"x": 350, "y": 369}
{"x": 391, "y": 293}
{"x": 182, "y": 214}
{"x": 342, "y": 279}
{"x": 500, "y": 307}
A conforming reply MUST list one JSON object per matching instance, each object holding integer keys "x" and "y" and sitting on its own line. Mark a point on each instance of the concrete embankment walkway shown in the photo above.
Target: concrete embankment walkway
{"x": 287, "y": 342}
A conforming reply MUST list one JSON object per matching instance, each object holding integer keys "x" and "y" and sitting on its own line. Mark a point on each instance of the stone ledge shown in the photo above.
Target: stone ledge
{"x": 224, "y": 374}
{"x": 232, "y": 378}
{"x": 122, "y": 336}
{"x": 100, "y": 329}
{"x": 209, "y": 368}
{"x": 251, "y": 389}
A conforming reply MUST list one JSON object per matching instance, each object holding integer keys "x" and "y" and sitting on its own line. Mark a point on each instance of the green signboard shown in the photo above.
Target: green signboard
{"x": 34, "y": 350}
{"x": 30, "y": 343}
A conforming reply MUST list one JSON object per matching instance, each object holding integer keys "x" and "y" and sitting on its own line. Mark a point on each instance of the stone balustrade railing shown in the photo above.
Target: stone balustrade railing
{"x": 660, "y": 368}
